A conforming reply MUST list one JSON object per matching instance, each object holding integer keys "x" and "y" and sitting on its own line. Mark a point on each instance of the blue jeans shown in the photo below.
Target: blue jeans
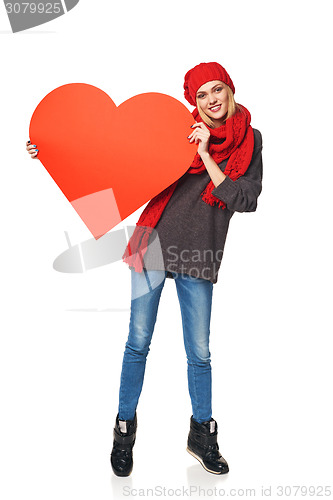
{"x": 195, "y": 299}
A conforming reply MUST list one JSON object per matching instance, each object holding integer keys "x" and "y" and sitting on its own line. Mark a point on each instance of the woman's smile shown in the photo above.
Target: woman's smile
{"x": 215, "y": 108}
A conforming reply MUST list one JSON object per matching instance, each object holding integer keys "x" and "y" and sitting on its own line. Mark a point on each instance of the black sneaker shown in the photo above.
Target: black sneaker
{"x": 124, "y": 434}
{"x": 202, "y": 444}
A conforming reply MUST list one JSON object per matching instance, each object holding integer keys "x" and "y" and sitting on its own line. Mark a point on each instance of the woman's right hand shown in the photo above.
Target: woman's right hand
{"x": 32, "y": 150}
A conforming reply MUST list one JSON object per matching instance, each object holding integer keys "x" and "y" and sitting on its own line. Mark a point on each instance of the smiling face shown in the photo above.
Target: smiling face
{"x": 214, "y": 100}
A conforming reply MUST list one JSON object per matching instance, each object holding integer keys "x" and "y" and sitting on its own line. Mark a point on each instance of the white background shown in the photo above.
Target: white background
{"x": 271, "y": 322}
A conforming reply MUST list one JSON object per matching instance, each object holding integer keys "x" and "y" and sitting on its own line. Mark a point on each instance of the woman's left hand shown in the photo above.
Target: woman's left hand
{"x": 201, "y": 136}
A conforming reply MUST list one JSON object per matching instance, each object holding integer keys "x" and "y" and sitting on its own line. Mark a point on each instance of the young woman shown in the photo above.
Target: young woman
{"x": 181, "y": 235}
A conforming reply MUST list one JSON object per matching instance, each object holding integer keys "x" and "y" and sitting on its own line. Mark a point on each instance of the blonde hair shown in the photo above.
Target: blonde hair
{"x": 233, "y": 107}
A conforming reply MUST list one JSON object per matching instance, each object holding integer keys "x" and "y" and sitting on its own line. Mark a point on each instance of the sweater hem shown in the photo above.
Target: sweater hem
{"x": 192, "y": 270}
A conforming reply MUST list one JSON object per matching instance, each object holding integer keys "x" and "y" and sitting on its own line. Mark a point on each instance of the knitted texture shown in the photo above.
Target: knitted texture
{"x": 237, "y": 146}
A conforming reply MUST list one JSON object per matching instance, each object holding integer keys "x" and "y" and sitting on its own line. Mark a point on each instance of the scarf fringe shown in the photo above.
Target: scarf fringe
{"x": 137, "y": 247}
{"x": 210, "y": 199}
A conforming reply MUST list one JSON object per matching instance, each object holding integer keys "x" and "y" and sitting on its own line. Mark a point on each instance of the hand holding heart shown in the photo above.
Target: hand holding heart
{"x": 201, "y": 136}
{"x": 138, "y": 149}
{"x": 31, "y": 148}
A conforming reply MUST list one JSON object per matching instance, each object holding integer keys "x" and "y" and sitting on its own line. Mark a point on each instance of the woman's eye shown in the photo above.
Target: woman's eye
{"x": 201, "y": 96}
{"x": 219, "y": 89}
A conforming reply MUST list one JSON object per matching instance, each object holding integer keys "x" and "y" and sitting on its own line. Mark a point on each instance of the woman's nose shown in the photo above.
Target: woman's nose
{"x": 212, "y": 98}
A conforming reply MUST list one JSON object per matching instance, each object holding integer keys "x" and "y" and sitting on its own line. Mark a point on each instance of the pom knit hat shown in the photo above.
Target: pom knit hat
{"x": 202, "y": 73}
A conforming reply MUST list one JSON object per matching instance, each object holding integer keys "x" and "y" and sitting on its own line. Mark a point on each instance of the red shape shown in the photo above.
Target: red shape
{"x": 89, "y": 145}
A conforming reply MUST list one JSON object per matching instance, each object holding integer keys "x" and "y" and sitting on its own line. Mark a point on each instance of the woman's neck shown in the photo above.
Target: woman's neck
{"x": 218, "y": 123}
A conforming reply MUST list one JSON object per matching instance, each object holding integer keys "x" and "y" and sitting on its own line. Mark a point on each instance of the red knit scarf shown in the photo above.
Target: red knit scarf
{"x": 238, "y": 147}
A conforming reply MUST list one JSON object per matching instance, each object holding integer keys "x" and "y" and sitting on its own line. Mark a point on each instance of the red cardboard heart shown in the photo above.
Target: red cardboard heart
{"x": 108, "y": 160}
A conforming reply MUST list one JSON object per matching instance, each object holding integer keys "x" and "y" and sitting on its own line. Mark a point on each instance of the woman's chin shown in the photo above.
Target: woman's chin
{"x": 217, "y": 116}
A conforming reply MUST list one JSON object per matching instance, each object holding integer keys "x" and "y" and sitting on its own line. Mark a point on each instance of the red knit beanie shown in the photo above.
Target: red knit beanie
{"x": 203, "y": 73}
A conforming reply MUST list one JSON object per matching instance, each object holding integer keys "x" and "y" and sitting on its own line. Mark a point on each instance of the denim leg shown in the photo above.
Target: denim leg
{"x": 145, "y": 296}
{"x": 195, "y": 299}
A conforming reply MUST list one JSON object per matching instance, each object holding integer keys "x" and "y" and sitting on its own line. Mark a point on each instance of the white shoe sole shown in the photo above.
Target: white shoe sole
{"x": 203, "y": 465}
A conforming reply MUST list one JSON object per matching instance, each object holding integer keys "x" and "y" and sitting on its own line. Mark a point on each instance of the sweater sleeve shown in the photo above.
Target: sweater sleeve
{"x": 241, "y": 195}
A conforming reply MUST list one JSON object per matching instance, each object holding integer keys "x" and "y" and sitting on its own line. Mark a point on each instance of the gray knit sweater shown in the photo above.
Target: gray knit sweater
{"x": 190, "y": 234}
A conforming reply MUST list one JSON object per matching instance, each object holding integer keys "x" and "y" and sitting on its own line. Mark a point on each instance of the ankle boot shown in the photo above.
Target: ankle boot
{"x": 202, "y": 444}
{"x": 124, "y": 434}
